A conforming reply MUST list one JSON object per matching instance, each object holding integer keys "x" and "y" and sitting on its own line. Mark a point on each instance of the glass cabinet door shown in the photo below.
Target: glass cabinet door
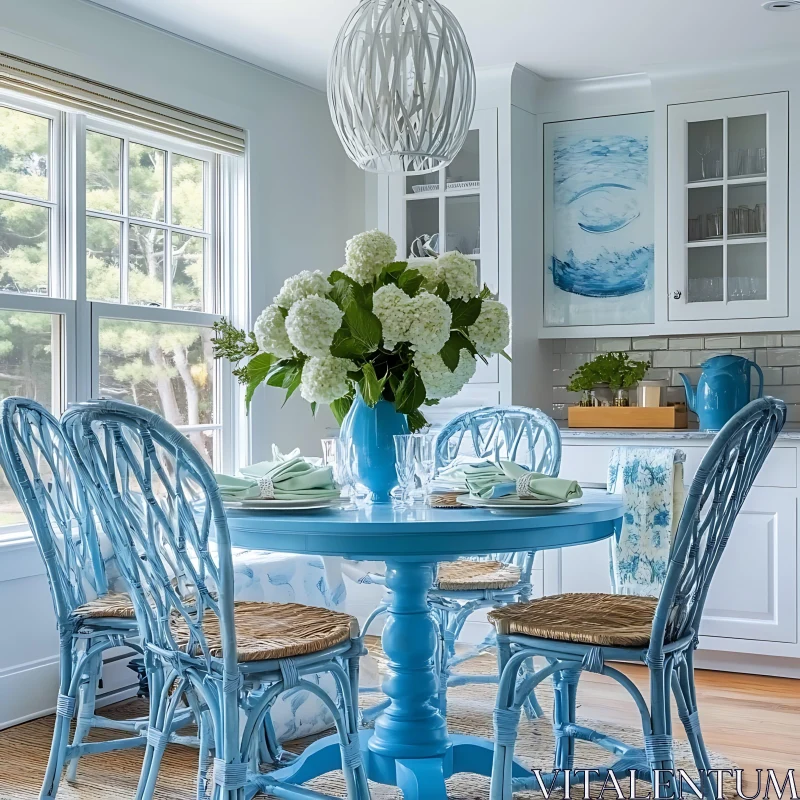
{"x": 454, "y": 208}
{"x": 728, "y": 208}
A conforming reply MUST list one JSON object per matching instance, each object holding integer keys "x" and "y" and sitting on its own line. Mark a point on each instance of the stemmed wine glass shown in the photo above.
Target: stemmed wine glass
{"x": 704, "y": 152}
{"x": 425, "y": 460}
{"x": 404, "y": 464}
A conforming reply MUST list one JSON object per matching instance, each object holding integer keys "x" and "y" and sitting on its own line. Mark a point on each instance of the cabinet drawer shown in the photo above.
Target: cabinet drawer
{"x": 589, "y": 463}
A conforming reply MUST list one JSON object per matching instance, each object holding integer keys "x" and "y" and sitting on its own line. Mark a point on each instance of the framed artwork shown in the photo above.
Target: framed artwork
{"x": 599, "y": 227}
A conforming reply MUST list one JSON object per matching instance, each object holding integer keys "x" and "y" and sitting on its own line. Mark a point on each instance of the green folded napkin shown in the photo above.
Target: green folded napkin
{"x": 505, "y": 479}
{"x": 292, "y": 479}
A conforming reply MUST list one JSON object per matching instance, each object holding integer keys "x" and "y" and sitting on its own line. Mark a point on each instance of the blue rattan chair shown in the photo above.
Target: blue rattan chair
{"x": 577, "y": 632}
{"x": 159, "y": 498}
{"x": 529, "y": 437}
{"x": 90, "y": 619}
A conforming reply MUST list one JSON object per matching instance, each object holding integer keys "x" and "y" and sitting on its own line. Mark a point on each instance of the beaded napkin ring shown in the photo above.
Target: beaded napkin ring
{"x": 266, "y": 488}
{"x": 524, "y": 485}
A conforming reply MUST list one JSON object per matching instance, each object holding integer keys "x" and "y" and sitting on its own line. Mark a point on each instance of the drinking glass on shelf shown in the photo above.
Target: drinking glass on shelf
{"x": 404, "y": 464}
{"x": 425, "y": 460}
{"x": 704, "y": 152}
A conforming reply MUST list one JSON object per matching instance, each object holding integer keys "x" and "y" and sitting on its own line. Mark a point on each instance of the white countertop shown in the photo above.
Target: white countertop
{"x": 790, "y": 431}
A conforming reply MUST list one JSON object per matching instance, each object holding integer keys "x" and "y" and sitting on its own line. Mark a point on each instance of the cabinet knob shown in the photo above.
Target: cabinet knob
{"x": 677, "y": 294}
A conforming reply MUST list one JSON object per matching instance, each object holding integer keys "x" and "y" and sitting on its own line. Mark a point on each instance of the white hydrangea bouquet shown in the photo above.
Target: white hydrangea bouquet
{"x": 406, "y": 331}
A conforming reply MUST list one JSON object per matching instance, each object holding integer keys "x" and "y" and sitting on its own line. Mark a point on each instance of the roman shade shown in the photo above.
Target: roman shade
{"x": 90, "y": 97}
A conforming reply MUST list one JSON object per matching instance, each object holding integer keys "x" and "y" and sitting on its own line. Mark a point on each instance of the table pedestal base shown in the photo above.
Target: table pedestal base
{"x": 417, "y": 778}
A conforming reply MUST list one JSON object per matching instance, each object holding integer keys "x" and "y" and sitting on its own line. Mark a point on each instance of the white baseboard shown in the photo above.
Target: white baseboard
{"x": 749, "y": 664}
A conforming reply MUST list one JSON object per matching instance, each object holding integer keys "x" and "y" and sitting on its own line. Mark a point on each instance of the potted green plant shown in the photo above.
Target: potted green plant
{"x": 608, "y": 378}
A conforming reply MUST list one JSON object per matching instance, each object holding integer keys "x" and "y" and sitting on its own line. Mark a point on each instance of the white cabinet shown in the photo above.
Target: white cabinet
{"x": 456, "y": 208}
{"x": 728, "y": 176}
{"x": 754, "y": 591}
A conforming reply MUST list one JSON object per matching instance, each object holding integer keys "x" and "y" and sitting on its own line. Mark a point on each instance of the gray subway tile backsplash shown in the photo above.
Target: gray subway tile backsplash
{"x": 722, "y": 342}
{"x": 777, "y": 354}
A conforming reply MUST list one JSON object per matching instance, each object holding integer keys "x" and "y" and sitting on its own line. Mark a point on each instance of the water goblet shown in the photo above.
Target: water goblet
{"x": 425, "y": 460}
{"x": 404, "y": 464}
{"x": 329, "y": 451}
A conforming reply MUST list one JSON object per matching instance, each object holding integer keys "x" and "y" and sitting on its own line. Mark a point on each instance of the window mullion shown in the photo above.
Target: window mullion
{"x": 124, "y": 243}
{"x": 74, "y": 175}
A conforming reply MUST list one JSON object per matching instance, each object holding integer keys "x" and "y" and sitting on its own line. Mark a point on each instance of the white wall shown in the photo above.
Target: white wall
{"x": 306, "y": 199}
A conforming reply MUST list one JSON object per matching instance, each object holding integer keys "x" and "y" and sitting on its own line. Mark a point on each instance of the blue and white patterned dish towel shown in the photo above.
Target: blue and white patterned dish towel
{"x": 650, "y": 479}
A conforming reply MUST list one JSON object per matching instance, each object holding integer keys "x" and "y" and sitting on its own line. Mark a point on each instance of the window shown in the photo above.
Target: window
{"x": 114, "y": 264}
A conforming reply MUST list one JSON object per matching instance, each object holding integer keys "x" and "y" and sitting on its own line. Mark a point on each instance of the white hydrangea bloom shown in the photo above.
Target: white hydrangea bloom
{"x": 430, "y": 319}
{"x": 392, "y": 306}
{"x": 439, "y": 381}
{"x": 460, "y": 274}
{"x": 429, "y": 269}
{"x": 304, "y": 284}
{"x": 311, "y": 323}
{"x": 367, "y": 254}
{"x": 324, "y": 379}
{"x": 270, "y": 331}
{"x": 491, "y": 332}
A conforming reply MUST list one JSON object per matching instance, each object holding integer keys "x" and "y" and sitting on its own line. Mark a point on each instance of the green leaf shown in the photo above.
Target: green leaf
{"x": 345, "y": 292}
{"x": 395, "y": 269}
{"x": 416, "y": 421}
{"x": 344, "y": 345}
{"x": 465, "y": 312}
{"x": 451, "y": 352}
{"x": 341, "y": 406}
{"x": 505, "y": 355}
{"x": 443, "y": 291}
{"x": 410, "y": 394}
{"x": 411, "y": 281}
{"x": 431, "y": 403}
{"x": 293, "y": 384}
{"x": 364, "y": 326}
{"x": 371, "y": 385}
{"x": 256, "y": 373}
{"x": 283, "y": 376}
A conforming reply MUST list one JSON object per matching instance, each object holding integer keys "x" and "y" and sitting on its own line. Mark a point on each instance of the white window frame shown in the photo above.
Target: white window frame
{"x": 76, "y": 377}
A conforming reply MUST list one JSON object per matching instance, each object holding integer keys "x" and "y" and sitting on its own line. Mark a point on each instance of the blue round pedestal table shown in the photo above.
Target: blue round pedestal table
{"x": 410, "y": 746}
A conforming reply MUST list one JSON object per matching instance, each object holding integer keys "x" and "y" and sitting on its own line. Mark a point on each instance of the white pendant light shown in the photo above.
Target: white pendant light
{"x": 401, "y": 86}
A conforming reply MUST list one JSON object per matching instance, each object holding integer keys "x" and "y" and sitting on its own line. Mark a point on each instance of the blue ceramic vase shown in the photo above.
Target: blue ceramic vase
{"x": 371, "y": 430}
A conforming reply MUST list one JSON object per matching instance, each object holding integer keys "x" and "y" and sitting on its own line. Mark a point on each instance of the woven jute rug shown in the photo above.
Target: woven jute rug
{"x": 114, "y": 775}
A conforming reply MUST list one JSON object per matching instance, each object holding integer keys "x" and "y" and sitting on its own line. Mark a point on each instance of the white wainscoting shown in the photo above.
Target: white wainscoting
{"x": 29, "y": 642}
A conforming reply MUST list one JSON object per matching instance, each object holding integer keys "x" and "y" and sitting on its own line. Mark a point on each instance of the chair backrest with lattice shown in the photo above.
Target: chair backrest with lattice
{"x": 163, "y": 512}
{"x": 510, "y": 433}
{"x": 44, "y": 477}
{"x": 503, "y": 433}
{"x": 719, "y": 489}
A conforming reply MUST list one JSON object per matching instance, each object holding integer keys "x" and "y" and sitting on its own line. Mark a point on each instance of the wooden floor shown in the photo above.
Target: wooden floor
{"x": 754, "y": 720}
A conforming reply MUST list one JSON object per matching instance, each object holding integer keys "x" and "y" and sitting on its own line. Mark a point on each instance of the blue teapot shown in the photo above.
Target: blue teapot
{"x": 723, "y": 389}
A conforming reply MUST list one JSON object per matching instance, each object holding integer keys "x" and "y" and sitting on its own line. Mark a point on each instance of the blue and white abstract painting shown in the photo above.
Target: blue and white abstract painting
{"x": 599, "y": 225}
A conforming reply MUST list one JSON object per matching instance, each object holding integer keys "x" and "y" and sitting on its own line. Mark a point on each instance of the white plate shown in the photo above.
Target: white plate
{"x": 502, "y": 502}
{"x": 285, "y": 505}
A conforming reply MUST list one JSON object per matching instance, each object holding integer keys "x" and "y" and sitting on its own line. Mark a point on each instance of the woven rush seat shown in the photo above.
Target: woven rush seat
{"x": 608, "y": 620}
{"x": 114, "y": 604}
{"x": 464, "y": 575}
{"x": 274, "y": 630}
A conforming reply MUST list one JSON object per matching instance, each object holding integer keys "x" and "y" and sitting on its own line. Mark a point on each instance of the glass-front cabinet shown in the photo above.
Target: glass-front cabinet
{"x": 728, "y": 208}
{"x": 454, "y": 209}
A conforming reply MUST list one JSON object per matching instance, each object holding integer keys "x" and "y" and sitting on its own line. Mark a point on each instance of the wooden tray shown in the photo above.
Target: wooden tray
{"x": 627, "y": 417}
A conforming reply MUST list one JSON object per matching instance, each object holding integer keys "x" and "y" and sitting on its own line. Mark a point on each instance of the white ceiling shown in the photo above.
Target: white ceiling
{"x": 555, "y": 38}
